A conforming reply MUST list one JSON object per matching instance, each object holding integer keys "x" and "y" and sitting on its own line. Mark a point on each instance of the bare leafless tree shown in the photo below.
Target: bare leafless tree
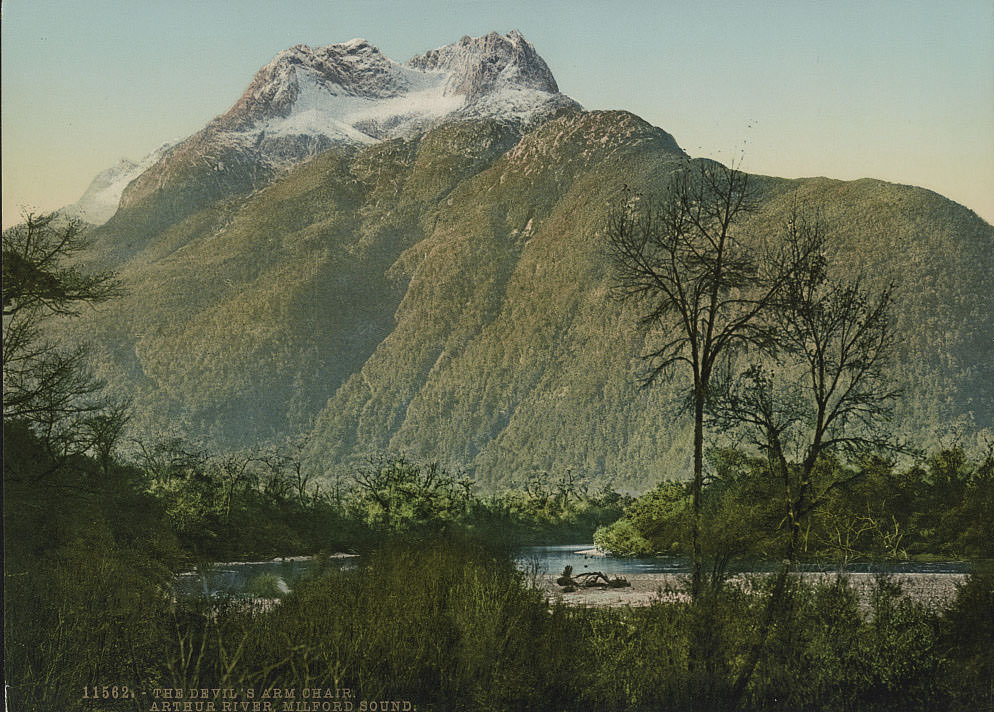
{"x": 821, "y": 390}
{"x": 701, "y": 287}
{"x": 824, "y": 389}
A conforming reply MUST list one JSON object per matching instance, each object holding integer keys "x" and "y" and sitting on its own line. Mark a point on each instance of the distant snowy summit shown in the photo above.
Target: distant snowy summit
{"x": 309, "y": 99}
{"x": 99, "y": 203}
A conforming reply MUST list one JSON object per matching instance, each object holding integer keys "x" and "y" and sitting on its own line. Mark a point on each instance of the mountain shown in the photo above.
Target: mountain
{"x": 103, "y": 196}
{"x": 308, "y": 100}
{"x": 444, "y": 291}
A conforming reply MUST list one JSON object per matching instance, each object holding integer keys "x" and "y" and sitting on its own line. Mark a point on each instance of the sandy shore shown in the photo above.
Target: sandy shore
{"x": 932, "y": 589}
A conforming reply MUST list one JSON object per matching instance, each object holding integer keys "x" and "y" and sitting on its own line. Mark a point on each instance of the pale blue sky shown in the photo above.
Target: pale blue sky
{"x": 901, "y": 90}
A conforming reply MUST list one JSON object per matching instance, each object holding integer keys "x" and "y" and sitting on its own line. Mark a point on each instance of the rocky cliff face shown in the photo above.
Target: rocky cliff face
{"x": 352, "y": 92}
{"x": 476, "y": 67}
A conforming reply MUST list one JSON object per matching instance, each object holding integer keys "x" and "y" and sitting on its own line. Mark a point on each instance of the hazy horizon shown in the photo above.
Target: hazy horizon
{"x": 899, "y": 91}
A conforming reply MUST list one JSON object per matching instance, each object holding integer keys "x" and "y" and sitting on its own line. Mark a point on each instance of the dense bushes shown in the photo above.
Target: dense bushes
{"x": 87, "y": 569}
{"x": 92, "y": 547}
{"x": 449, "y": 622}
{"x": 967, "y": 639}
{"x": 943, "y": 507}
{"x": 271, "y": 502}
{"x": 437, "y": 613}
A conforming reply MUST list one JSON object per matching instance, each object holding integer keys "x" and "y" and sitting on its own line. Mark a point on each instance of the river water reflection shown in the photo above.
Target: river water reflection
{"x": 281, "y": 575}
{"x": 274, "y": 577}
{"x": 551, "y": 560}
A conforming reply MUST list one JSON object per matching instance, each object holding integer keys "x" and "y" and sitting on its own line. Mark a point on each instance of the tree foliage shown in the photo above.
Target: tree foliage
{"x": 46, "y": 383}
{"x": 871, "y": 510}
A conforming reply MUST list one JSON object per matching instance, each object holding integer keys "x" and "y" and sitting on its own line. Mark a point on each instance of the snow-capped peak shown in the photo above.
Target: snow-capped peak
{"x": 308, "y": 99}
{"x": 351, "y": 92}
{"x": 477, "y": 66}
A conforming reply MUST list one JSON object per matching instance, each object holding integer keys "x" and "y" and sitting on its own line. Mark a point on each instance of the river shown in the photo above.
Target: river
{"x": 282, "y": 574}
{"x": 551, "y": 560}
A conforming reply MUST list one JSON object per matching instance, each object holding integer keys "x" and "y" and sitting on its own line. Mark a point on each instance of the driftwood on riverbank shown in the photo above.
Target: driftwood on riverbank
{"x": 590, "y": 579}
{"x": 931, "y": 589}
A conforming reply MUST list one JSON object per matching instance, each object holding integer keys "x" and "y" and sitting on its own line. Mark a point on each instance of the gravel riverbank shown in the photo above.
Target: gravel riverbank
{"x": 933, "y": 589}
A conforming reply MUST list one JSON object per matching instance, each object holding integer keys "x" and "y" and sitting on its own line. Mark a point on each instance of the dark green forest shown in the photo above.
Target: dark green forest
{"x": 939, "y": 509}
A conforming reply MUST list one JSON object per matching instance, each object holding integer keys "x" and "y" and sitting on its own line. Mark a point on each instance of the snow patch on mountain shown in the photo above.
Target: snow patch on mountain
{"x": 352, "y": 93}
{"x": 326, "y": 109}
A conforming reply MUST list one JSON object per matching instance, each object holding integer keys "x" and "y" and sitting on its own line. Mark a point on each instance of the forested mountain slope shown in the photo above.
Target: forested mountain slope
{"x": 446, "y": 294}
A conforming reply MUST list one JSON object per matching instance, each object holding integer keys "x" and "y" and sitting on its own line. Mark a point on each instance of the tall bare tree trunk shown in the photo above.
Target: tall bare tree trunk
{"x": 697, "y": 584}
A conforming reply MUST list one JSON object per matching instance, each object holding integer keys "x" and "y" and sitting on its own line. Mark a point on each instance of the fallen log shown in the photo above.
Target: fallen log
{"x": 590, "y": 579}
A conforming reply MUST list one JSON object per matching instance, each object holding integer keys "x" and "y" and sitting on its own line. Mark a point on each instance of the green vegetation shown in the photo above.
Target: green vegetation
{"x": 451, "y": 623}
{"x": 92, "y": 547}
{"x": 940, "y": 509}
{"x": 436, "y": 613}
{"x": 446, "y": 297}
{"x": 240, "y": 507}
